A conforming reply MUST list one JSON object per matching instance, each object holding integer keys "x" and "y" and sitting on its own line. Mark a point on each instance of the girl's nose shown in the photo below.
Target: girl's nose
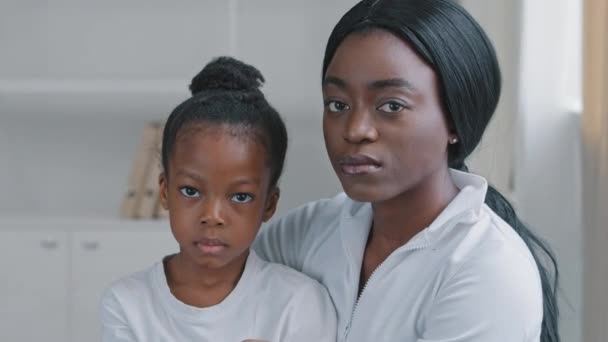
{"x": 212, "y": 213}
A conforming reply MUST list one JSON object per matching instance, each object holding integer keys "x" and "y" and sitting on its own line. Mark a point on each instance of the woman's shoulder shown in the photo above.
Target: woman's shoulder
{"x": 505, "y": 241}
{"x": 487, "y": 266}
{"x": 490, "y": 253}
{"x": 484, "y": 234}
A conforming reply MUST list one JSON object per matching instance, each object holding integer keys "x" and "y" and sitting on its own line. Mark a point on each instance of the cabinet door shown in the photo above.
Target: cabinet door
{"x": 33, "y": 286}
{"x": 99, "y": 258}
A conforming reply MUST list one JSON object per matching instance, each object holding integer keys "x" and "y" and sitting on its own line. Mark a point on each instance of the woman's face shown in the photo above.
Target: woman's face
{"x": 385, "y": 131}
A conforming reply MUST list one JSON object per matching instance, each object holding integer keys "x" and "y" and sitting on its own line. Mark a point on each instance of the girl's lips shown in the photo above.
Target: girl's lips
{"x": 210, "y": 246}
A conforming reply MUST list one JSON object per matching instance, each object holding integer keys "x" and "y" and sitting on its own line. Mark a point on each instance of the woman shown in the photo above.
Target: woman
{"x": 417, "y": 249}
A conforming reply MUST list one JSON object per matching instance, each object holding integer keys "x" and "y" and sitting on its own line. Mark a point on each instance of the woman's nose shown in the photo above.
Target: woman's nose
{"x": 360, "y": 128}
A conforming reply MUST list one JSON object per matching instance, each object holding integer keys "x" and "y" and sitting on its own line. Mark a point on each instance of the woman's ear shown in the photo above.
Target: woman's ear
{"x": 271, "y": 204}
{"x": 164, "y": 196}
{"x": 452, "y": 134}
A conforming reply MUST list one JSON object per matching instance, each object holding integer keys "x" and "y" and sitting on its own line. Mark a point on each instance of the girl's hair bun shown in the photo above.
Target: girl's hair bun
{"x": 228, "y": 74}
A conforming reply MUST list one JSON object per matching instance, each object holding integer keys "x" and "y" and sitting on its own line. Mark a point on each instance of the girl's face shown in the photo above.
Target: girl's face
{"x": 217, "y": 194}
{"x": 385, "y": 131}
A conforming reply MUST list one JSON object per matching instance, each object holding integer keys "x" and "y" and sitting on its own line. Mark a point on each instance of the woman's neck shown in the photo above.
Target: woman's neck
{"x": 397, "y": 220}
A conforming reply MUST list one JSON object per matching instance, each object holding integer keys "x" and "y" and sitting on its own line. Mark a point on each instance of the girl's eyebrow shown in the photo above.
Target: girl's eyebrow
{"x": 195, "y": 176}
{"x": 247, "y": 181}
{"x": 189, "y": 174}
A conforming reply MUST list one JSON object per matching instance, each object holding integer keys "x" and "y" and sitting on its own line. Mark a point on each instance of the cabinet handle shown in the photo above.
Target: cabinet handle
{"x": 49, "y": 244}
{"x": 90, "y": 245}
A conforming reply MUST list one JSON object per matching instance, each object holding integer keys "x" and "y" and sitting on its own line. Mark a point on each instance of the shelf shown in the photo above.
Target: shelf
{"x": 55, "y": 86}
{"x": 101, "y": 99}
{"x": 47, "y": 224}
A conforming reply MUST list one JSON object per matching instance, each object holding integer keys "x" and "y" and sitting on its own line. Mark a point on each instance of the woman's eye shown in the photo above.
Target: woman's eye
{"x": 336, "y": 106}
{"x": 391, "y": 107}
{"x": 189, "y": 192}
{"x": 242, "y": 198}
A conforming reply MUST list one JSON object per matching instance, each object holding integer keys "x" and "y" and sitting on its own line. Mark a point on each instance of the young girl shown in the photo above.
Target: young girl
{"x": 222, "y": 155}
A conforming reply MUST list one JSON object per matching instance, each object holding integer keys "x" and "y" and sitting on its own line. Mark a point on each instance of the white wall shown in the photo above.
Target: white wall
{"x": 548, "y": 160}
{"x": 79, "y": 78}
{"x": 531, "y": 148}
{"x": 493, "y": 158}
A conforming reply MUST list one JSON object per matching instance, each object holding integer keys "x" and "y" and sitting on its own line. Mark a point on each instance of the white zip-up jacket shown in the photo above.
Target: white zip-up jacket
{"x": 467, "y": 277}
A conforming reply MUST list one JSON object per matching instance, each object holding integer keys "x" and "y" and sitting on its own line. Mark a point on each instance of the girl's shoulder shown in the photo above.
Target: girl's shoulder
{"x": 297, "y": 300}
{"x": 133, "y": 288}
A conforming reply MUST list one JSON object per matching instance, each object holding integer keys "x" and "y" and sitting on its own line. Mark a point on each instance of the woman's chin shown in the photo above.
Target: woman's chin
{"x": 362, "y": 193}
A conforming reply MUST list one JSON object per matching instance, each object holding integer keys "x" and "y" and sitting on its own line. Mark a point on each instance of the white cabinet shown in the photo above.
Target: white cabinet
{"x": 51, "y": 280}
{"x": 33, "y": 286}
{"x": 99, "y": 258}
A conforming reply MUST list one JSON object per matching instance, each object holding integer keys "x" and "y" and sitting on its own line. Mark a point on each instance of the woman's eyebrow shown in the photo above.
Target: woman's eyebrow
{"x": 380, "y": 84}
{"x": 340, "y": 83}
{"x": 393, "y": 83}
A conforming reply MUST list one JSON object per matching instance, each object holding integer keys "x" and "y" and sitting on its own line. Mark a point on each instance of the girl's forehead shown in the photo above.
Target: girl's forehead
{"x": 216, "y": 133}
{"x": 217, "y": 129}
{"x": 217, "y": 140}
{"x": 220, "y": 164}
{"x": 219, "y": 149}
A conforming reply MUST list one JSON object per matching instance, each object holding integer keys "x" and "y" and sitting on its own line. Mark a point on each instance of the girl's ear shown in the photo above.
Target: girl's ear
{"x": 164, "y": 196}
{"x": 271, "y": 204}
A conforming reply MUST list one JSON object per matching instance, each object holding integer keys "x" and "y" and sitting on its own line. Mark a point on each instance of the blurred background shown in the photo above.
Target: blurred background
{"x": 79, "y": 80}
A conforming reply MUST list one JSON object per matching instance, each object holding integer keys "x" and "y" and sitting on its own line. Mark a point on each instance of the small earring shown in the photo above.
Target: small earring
{"x": 453, "y": 140}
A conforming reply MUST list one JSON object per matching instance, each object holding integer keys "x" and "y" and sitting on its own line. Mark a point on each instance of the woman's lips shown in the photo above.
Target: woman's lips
{"x": 359, "y": 164}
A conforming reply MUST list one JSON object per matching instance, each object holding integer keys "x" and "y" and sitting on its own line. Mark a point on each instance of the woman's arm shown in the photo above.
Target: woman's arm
{"x": 283, "y": 239}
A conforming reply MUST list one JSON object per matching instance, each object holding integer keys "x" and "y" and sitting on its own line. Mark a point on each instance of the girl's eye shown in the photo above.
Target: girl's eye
{"x": 189, "y": 192}
{"x": 336, "y": 106}
{"x": 391, "y": 107}
{"x": 242, "y": 198}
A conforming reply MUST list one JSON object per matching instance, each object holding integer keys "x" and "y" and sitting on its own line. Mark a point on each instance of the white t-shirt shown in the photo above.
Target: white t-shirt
{"x": 270, "y": 302}
{"x": 467, "y": 277}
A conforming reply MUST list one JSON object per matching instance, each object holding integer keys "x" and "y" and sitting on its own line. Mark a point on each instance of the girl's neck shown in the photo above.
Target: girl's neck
{"x": 200, "y": 286}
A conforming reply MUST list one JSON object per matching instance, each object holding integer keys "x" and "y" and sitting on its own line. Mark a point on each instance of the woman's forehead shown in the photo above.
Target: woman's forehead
{"x": 378, "y": 55}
